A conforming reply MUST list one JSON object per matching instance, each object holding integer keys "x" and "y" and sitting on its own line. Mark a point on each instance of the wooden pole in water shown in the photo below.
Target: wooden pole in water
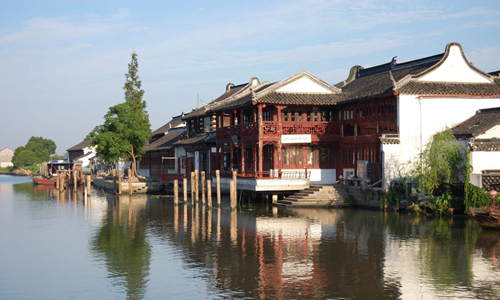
{"x": 235, "y": 179}
{"x": 203, "y": 187}
{"x": 209, "y": 193}
{"x": 196, "y": 185}
{"x": 88, "y": 184}
{"x": 176, "y": 191}
{"x": 185, "y": 189}
{"x": 57, "y": 180}
{"x": 129, "y": 181}
{"x": 217, "y": 178}
{"x": 114, "y": 180}
{"x": 75, "y": 178}
{"x": 119, "y": 182}
{"x": 232, "y": 192}
{"x": 192, "y": 187}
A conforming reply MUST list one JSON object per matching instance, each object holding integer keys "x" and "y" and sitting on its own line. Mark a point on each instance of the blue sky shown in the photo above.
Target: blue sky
{"x": 63, "y": 63}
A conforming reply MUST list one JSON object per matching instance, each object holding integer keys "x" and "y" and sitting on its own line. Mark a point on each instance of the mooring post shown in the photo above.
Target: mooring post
{"x": 57, "y": 180}
{"x": 209, "y": 193}
{"x": 185, "y": 189}
{"x": 203, "y": 187}
{"x": 235, "y": 179}
{"x": 119, "y": 182}
{"x": 88, "y": 184}
{"x": 75, "y": 178}
{"x": 129, "y": 181}
{"x": 197, "y": 184}
{"x": 65, "y": 183}
{"x": 192, "y": 187}
{"x": 114, "y": 180}
{"x": 233, "y": 194}
{"x": 217, "y": 179}
{"x": 176, "y": 191}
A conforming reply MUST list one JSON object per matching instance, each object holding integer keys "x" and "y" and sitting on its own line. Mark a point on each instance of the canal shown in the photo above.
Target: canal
{"x": 61, "y": 246}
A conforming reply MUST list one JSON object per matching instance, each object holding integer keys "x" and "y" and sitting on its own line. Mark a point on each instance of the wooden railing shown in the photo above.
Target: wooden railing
{"x": 272, "y": 129}
{"x": 271, "y": 174}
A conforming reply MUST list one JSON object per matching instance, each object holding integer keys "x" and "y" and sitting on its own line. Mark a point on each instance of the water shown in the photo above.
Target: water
{"x": 144, "y": 247}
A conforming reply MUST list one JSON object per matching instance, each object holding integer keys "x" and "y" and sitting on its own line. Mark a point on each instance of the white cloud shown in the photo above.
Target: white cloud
{"x": 487, "y": 59}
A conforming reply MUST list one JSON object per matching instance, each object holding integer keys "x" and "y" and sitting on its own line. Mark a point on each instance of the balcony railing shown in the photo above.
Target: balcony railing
{"x": 271, "y": 174}
{"x": 272, "y": 129}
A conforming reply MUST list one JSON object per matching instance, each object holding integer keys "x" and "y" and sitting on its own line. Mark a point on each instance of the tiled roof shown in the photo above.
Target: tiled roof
{"x": 486, "y": 145}
{"x": 495, "y": 73}
{"x": 165, "y": 142}
{"x": 80, "y": 146}
{"x": 381, "y": 80}
{"x": 482, "y": 121}
{"x": 197, "y": 112}
{"x": 172, "y": 124}
{"x": 85, "y": 155}
{"x": 300, "y": 98}
{"x": 192, "y": 140}
{"x": 446, "y": 88}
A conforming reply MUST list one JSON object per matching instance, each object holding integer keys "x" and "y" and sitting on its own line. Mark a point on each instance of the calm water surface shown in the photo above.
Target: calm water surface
{"x": 55, "y": 247}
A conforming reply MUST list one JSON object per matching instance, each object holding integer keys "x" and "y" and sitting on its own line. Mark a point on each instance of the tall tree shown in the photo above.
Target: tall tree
{"x": 126, "y": 127}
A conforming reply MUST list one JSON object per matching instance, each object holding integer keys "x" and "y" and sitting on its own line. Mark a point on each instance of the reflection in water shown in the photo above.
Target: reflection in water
{"x": 258, "y": 252}
{"x": 122, "y": 244}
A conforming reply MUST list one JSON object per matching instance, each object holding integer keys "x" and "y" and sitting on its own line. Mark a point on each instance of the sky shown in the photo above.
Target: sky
{"x": 63, "y": 63}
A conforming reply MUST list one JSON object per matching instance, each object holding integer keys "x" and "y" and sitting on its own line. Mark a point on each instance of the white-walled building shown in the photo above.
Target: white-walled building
{"x": 425, "y": 96}
{"x": 6, "y": 158}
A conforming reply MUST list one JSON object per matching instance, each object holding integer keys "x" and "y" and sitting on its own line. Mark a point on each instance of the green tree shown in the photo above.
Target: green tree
{"x": 25, "y": 158}
{"x": 36, "y": 151}
{"x": 126, "y": 127}
{"x": 440, "y": 164}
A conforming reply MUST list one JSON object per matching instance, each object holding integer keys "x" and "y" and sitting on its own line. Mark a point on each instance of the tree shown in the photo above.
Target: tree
{"x": 36, "y": 151}
{"x": 126, "y": 127}
{"x": 440, "y": 164}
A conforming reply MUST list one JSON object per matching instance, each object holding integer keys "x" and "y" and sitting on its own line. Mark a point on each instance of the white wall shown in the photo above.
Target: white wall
{"x": 391, "y": 161}
{"x": 318, "y": 176}
{"x": 304, "y": 85}
{"x": 484, "y": 160}
{"x": 179, "y": 152}
{"x": 420, "y": 121}
{"x": 455, "y": 69}
{"x": 492, "y": 133}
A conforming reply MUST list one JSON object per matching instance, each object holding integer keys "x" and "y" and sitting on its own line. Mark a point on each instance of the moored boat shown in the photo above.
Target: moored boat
{"x": 43, "y": 181}
{"x": 488, "y": 217}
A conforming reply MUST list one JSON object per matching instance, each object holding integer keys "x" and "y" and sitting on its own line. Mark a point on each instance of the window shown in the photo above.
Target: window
{"x": 308, "y": 116}
{"x": 299, "y": 116}
{"x": 292, "y": 116}
{"x": 292, "y": 156}
{"x": 316, "y": 116}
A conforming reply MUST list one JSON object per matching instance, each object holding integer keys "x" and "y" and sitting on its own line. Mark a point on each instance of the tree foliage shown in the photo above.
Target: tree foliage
{"x": 440, "y": 164}
{"x": 36, "y": 151}
{"x": 126, "y": 127}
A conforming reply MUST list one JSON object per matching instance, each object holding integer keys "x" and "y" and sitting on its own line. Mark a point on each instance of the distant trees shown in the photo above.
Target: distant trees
{"x": 126, "y": 127}
{"x": 36, "y": 151}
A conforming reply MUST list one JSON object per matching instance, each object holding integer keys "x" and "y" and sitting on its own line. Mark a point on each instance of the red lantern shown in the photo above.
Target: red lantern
{"x": 493, "y": 194}
{"x": 264, "y": 105}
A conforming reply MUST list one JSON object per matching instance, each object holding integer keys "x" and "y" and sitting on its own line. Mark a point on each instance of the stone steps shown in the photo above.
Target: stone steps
{"x": 315, "y": 196}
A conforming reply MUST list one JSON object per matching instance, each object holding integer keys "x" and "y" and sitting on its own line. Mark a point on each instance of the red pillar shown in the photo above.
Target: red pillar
{"x": 261, "y": 144}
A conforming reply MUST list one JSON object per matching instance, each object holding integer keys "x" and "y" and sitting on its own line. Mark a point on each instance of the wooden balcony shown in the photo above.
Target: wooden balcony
{"x": 273, "y": 129}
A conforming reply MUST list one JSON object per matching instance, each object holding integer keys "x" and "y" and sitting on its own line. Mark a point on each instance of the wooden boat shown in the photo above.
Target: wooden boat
{"x": 43, "y": 181}
{"x": 488, "y": 217}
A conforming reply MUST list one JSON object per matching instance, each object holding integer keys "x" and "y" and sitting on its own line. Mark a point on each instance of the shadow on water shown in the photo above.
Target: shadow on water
{"x": 122, "y": 244}
{"x": 259, "y": 252}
